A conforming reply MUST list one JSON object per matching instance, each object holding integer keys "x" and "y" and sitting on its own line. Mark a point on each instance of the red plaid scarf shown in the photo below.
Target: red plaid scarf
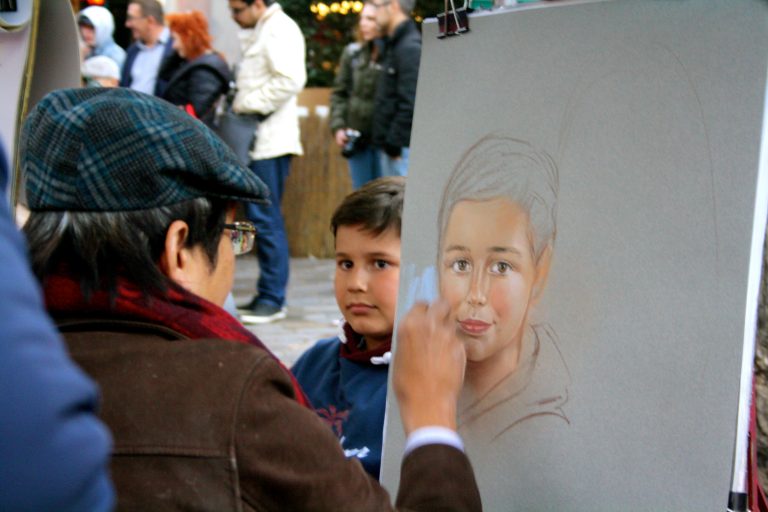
{"x": 179, "y": 310}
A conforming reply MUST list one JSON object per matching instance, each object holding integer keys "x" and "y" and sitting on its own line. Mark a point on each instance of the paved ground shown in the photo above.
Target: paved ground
{"x": 312, "y": 310}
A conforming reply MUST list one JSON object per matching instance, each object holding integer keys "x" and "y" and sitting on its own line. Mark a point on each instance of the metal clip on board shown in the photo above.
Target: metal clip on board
{"x": 454, "y": 21}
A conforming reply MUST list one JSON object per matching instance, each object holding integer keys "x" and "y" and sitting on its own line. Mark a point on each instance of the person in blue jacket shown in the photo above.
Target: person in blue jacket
{"x": 345, "y": 377}
{"x": 54, "y": 452}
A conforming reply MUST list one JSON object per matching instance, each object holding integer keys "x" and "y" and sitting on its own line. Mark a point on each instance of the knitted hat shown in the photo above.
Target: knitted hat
{"x": 107, "y": 149}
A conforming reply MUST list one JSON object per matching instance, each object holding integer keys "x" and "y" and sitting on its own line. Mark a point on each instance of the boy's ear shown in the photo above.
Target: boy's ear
{"x": 542, "y": 272}
{"x": 174, "y": 261}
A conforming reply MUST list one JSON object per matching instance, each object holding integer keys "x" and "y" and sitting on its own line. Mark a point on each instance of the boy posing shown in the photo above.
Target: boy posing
{"x": 345, "y": 377}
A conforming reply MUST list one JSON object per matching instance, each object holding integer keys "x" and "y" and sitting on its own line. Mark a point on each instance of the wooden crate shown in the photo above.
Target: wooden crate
{"x": 318, "y": 182}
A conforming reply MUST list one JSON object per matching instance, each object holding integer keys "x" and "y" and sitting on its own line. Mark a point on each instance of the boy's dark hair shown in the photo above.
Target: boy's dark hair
{"x": 376, "y": 206}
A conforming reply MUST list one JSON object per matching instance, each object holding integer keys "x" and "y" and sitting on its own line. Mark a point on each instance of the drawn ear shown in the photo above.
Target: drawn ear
{"x": 542, "y": 272}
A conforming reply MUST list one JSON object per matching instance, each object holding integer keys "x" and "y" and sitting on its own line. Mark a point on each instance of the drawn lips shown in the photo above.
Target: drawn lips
{"x": 359, "y": 309}
{"x": 474, "y": 327}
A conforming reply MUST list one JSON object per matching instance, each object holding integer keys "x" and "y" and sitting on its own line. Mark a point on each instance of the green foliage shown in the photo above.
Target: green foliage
{"x": 327, "y": 38}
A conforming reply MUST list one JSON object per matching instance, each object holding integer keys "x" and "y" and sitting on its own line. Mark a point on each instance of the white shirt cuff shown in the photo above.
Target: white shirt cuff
{"x": 432, "y": 435}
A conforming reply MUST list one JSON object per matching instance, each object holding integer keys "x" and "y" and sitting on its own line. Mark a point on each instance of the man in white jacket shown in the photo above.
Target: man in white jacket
{"x": 269, "y": 77}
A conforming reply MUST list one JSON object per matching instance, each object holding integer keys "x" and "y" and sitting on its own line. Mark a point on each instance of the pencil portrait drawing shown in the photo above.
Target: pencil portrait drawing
{"x": 497, "y": 228}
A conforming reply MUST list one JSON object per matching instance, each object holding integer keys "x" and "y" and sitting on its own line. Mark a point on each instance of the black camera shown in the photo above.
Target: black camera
{"x": 352, "y": 144}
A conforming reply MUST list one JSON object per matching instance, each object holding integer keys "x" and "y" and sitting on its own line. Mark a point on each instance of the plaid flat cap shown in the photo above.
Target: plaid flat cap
{"x": 105, "y": 149}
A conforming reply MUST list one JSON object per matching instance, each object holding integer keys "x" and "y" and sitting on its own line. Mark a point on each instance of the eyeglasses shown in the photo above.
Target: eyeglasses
{"x": 242, "y": 234}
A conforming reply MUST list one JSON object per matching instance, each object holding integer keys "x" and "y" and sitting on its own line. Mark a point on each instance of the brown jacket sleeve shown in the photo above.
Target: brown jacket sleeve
{"x": 437, "y": 477}
{"x": 288, "y": 459}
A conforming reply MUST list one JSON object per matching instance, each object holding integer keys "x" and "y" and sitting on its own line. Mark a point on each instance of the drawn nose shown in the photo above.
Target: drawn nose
{"x": 477, "y": 289}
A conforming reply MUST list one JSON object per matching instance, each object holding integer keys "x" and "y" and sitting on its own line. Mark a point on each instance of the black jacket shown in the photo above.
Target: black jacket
{"x": 396, "y": 91}
{"x": 199, "y": 82}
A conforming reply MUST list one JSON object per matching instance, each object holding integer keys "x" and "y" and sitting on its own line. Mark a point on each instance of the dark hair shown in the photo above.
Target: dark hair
{"x": 97, "y": 247}
{"x": 84, "y": 20}
{"x": 377, "y": 206}
{"x": 266, "y": 2}
{"x": 150, "y": 8}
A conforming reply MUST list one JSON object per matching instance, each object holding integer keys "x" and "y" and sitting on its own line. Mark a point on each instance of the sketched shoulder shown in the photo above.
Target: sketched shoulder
{"x": 538, "y": 388}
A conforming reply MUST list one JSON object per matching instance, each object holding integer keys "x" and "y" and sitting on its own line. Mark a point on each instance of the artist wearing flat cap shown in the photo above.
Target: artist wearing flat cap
{"x": 132, "y": 236}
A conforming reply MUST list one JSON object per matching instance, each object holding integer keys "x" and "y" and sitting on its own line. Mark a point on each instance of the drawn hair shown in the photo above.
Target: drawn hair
{"x": 504, "y": 167}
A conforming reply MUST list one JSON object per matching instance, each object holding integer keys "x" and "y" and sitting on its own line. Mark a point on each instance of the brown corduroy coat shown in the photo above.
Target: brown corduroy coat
{"x": 212, "y": 425}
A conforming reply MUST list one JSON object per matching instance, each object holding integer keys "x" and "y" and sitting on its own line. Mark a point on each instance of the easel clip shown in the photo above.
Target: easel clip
{"x": 453, "y": 22}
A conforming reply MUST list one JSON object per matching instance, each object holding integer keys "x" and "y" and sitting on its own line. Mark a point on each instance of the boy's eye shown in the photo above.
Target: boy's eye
{"x": 501, "y": 268}
{"x": 380, "y": 264}
{"x": 461, "y": 266}
{"x": 344, "y": 264}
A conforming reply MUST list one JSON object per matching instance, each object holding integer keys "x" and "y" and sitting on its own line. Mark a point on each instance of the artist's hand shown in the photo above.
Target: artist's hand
{"x": 428, "y": 367}
{"x": 341, "y": 137}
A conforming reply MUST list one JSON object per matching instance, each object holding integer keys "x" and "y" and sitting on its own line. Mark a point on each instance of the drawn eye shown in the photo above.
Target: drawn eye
{"x": 501, "y": 268}
{"x": 461, "y": 266}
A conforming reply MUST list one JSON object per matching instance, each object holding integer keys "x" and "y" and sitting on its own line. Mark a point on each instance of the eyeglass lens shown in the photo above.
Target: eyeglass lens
{"x": 242, "y": 235}
{"x": 242, "y": 241}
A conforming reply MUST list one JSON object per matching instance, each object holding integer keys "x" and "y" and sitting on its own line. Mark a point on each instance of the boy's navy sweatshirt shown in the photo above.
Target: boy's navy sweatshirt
{"x": 347, "y": 386}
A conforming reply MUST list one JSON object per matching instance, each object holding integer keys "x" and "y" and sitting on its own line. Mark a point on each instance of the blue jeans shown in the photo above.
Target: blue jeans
{"x": 394, "y": 166}
{"x": 364, "y": 166}
{"x": 271, "y": 240}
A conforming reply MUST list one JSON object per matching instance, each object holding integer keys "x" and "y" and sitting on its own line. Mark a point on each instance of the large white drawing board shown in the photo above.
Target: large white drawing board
{"x": 652, "y": 113}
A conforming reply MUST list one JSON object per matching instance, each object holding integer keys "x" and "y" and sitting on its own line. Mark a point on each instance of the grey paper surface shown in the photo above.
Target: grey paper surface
{"x": 652, "y": 112}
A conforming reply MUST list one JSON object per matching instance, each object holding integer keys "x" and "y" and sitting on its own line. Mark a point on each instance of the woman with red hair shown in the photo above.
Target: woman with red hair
{"x": 197, "y": 75}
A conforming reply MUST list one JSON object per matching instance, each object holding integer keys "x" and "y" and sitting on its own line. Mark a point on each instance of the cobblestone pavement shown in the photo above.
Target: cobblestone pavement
{"x": 312, "y": 310}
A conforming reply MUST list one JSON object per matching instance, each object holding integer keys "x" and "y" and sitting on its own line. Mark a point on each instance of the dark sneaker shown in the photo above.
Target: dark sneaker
{"x": 248, "y": 306}
{"x": 263, "y": 313}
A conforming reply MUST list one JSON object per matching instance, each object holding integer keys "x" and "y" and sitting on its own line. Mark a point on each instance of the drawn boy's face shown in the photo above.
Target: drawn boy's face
{"x": 367, "y": 274}
{"x": 489, "y": 276}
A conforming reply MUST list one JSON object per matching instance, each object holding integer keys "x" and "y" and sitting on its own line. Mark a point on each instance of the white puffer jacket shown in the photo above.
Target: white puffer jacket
{"x": 271, "y": 74}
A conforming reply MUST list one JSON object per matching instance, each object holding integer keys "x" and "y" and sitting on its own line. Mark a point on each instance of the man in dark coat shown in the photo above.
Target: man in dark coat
{"x": 133, "y": 237}
{"x": 396, "y": 91}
